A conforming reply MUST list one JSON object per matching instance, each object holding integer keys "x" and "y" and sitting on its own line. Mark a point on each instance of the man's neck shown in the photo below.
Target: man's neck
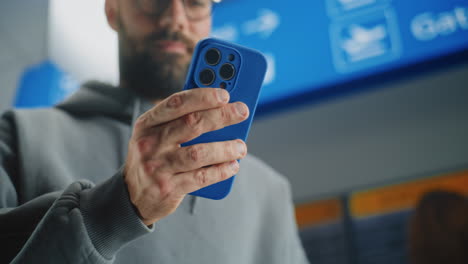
{"x": 122, "y": 85}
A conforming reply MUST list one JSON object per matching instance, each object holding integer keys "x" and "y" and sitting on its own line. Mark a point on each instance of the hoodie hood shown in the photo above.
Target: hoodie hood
{"x": 96, "y": 98}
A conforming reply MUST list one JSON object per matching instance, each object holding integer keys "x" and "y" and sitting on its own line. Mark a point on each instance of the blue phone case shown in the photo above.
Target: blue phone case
{"x": 250, "y": 67}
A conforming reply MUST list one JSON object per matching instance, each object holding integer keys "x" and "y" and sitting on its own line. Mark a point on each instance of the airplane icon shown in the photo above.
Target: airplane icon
{"x": 264, "y": 25}
{"x": 360, "y": 42}
{"x": 364, "y": 42}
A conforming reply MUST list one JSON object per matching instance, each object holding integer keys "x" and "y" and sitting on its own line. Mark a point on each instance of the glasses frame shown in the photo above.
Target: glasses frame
{"x": 191, "y": 18}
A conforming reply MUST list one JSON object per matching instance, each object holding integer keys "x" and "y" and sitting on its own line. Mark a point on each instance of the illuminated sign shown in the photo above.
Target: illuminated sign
{"x": 311, "y": 45}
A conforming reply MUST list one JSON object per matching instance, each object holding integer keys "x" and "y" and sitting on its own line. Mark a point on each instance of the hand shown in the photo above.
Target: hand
{"x": 159, "y": 172}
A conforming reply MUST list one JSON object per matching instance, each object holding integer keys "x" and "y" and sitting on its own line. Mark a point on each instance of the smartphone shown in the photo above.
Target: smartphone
{"x": 239, "y": 70}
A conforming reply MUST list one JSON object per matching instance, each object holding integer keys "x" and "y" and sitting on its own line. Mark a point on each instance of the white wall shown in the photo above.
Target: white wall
{"x": 80, "y": 40}
{"x": 23, "y": 38}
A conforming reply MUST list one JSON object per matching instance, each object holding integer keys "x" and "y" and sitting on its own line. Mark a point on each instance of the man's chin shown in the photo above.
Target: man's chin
{"x": 171, "y": 59}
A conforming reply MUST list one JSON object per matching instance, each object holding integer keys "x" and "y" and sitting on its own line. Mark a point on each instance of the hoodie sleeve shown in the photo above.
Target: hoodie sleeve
{"x": 82, "y": 224}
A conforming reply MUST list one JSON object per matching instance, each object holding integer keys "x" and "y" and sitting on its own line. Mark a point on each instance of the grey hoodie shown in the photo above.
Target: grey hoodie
{"x": 63, "y": 198}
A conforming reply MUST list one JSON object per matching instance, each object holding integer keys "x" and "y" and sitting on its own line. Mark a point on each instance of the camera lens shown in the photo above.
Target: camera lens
{"x": 207, "y": 76}
{"x": 212, "y": 56}
{"x": 227, "y": 71}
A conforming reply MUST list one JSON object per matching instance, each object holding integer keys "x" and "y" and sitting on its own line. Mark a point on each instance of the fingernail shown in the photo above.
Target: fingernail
{"x": 241, "y": 148}
{"x": 223, "y": 96}
{"x": 234, "y": 165}
{"x": 241, "y": 109}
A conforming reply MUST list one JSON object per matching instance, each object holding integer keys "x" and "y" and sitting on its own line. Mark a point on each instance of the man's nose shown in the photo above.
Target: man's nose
{"x": 174, "y": 16}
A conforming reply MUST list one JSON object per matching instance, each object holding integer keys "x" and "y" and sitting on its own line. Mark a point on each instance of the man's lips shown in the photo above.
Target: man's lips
{"x": 172, "y": 46}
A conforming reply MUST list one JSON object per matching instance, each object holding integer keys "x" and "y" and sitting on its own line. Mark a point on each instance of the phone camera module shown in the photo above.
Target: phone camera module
{"x": 207, "y": 76}
{"x": 227, "y": 71}
{"x": 212, "y": 56}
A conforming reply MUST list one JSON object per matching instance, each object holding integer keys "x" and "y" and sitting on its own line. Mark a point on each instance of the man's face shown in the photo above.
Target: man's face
{"x": 155, "y": 50}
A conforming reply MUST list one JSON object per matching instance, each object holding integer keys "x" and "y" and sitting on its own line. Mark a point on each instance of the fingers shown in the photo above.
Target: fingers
{"x": 191, "y": 181}
{"x": 182, "y": 103}
{"x": 201, "y": 155}
{"x": 194, "y": 124}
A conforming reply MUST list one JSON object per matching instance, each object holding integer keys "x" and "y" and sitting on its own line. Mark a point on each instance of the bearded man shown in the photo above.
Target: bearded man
{"x": 98, "y": 178}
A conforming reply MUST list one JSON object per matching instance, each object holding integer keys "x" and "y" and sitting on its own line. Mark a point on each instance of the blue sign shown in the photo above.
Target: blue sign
{"x": 43, "y": 85}
{"x": 315, "y": 44}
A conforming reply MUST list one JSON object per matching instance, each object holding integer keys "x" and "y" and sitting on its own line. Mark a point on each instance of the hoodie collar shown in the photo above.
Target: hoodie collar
{"x": 96, "y": 98}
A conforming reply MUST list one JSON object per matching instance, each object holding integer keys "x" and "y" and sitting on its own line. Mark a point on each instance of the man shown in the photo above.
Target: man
{"x": 49, "y": 215}
{"x": 438, "y": 229}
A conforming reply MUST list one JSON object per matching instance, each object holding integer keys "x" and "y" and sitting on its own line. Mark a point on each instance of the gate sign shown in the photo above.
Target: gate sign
{"x": 310, "y": 45}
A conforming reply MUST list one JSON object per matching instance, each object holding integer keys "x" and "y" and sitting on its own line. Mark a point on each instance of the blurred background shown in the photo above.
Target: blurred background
{"x": 364, "y": 108}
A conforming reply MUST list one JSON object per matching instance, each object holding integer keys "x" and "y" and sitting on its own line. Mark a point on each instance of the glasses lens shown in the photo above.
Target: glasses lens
{"x": 197, "y": 9}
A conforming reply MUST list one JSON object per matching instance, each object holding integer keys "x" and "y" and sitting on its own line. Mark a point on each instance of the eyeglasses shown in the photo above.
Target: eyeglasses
{"x": 194, "y": 9}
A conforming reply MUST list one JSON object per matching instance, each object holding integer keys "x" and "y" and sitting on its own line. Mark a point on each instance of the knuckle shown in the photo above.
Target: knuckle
{"x": 195, "y": 153}
{"x": 175, "y": 100}
{"x": 201, "y": 177}
{"x": 216, "y": 95}
{"x": 225, "y": 115}
{"x": 144, "y": 144}
{"x": 151, "y": 166}
{"x": 207, "y": 98}
{"x": 193, "y": 120}
{"x": 164, "y": 187}
{"x": 223, "y": 174}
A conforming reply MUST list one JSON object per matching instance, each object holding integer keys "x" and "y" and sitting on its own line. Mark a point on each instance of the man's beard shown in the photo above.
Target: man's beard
{"x": 150, "y": 72}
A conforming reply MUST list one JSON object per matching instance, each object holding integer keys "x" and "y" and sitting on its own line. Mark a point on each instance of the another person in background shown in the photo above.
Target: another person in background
{"x": 438, "y": 231}
{"x": 127, "y": 140}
